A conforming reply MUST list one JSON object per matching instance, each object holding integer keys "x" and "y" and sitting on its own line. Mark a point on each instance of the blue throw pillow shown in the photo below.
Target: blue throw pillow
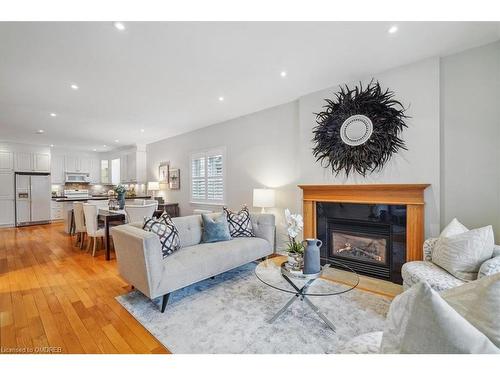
{"x": 215, "y": 228}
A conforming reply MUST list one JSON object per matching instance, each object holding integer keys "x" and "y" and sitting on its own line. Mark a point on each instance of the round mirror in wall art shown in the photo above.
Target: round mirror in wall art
{"x": 356, "y": 130}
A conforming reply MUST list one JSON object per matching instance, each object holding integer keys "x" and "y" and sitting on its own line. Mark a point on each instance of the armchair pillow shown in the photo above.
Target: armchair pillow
{"x": 421, "y": 321}
{"x": 462, "y": 254}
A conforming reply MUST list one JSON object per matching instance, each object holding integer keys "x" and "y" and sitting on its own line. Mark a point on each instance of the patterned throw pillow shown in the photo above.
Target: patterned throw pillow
{"x": 240, "y": 224}
{"x": 165, "y": 229}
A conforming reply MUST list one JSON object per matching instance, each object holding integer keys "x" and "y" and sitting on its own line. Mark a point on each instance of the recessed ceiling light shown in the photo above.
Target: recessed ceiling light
{"x": 119, "y": 25}
{"x": 74, "y": 87}
{"x": 104, "y": 146}
{"x": 117, "y": 140}
{"x": 51, "y": 145}
{"x": 283, "y": 74}
{"x": 94, "y": 149}
{"x": 393, "y": 29}
{"x": 142, "y": 130}
{"x": 40, "y": 131}
{"x": 221, "y": 98}
{"x": 53, "y": 114}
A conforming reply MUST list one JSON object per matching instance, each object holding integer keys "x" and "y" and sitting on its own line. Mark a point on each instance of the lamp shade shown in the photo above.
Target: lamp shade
{"x": 263, "y": 198}
{"x": 153, "y": 185}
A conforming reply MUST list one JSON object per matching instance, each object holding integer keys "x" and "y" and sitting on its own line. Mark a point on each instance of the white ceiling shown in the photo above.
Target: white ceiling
{"x": 166, "y": 77}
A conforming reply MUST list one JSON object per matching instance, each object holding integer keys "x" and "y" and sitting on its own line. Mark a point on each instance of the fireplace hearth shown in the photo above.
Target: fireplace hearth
{"x": 369, "y": 238}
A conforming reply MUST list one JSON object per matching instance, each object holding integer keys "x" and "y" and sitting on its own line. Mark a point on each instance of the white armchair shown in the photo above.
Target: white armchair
{"x": 438, "y": 278}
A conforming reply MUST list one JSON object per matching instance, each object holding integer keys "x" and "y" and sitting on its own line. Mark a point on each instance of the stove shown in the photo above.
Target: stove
{"x": 74, "y": 193}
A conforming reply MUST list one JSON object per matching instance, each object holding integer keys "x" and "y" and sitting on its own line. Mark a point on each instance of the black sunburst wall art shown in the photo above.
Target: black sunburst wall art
{"x": 359, "y": 130}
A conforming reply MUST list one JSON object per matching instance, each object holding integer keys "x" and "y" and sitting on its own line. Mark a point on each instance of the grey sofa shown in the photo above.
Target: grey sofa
{"x": 140, "y": 260}
{"x": 438, "y": 278}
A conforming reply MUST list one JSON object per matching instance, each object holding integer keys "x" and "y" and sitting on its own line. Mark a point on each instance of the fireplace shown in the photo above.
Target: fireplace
{"x": 369, "y": 238}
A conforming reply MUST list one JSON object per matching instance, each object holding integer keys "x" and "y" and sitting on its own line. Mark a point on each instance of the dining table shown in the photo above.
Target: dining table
{"x": 112, "y": 217}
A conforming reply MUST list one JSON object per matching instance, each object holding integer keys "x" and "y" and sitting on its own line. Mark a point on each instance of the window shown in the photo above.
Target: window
{"x": 115, "y": 171}
{"x": 208, "y": 176}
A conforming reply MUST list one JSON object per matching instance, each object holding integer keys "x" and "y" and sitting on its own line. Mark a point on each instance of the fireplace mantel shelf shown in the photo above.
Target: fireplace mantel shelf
{"x": 411, "y": 195}
{"x": 366, "y": 193}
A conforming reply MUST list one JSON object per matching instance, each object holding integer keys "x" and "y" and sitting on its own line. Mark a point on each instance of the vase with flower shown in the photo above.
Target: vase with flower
{"x": 295, "y": 249}
{"x": 120, "y": 191}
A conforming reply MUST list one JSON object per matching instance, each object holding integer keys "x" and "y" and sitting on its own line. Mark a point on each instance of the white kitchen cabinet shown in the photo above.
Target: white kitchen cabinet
{"x": 123, "y": 169}
{"x": 7, "y": 212}
{"x": 6, "y": 161}
{"x": 95, "y": 171}
{"x": 6, "y": 185}
{"x": 71, "y": 164}
{"x": 41, "y": 162}
{"x": 85, "y": 165}
{"x": 24, "y": 161}
{"x": 56, "y": 210}
{"x": 57, "y": 169}
{"x": 6, "y": 198}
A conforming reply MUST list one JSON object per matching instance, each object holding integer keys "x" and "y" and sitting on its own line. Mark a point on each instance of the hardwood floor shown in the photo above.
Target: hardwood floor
{"x": 54, "y": 295}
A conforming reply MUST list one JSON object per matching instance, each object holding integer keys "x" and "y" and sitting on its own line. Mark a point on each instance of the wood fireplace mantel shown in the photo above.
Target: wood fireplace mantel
{"x": 411, "y": 195}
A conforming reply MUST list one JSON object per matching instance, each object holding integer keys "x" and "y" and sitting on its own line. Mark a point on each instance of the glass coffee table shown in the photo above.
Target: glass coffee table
{"x": 336, "y": 278}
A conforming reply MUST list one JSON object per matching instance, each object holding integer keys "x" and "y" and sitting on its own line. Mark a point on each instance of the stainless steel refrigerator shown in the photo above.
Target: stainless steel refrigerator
{"x": 32, "y": 198}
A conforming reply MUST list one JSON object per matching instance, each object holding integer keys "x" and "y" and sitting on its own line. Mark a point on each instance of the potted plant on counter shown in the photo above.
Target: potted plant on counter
{"x": 120, "y": 191}
{"x": 295, "y": 250}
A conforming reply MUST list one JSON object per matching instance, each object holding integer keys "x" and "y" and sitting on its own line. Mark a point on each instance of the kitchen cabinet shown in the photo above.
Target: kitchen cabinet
{"x": 57, "y": 169}
{"x": 123, "y": 169}
{"x": 24, "y": 161}
{"x": 95, "y": 171}
{"x": 71, "y": 164}
{"x": 133, "y": 167}
{"x": 6, "y": 198}
{"x": 56, "y": 211}
{"x": 85, "y": 165}
{"x": 32, "y": 162}
{"x": 41, "y": 162}
{"x": 6, "y": 212}
{"x": 6, "y": 161}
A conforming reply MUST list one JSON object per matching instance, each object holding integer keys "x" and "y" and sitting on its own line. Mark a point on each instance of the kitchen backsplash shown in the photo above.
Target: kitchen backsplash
{"x": 96, "y": 189}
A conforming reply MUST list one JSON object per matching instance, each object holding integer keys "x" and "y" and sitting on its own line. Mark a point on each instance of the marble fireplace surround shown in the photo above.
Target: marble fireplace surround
{"x": 410, "y": 195}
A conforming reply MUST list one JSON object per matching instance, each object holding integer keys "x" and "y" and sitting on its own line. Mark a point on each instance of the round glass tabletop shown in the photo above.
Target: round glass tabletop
{"x": 337, "y": 278}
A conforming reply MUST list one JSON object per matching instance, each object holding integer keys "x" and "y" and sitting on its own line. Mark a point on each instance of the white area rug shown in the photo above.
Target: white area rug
{"x": 229, "y": 315}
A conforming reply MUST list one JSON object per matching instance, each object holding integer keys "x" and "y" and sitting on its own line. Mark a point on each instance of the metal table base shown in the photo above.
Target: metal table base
{"x": 300, "y": 295}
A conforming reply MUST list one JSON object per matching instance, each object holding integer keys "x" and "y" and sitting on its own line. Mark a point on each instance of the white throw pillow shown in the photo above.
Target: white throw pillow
{"x": 453, "y": 228}
{"x": 462, "y": 254}
{"x": 477, "y": 302}
{"x": 421, "y": 321}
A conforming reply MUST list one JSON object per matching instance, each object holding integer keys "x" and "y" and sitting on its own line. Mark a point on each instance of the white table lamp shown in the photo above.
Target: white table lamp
{"x": 263, "y": 198}
{"x": 153, "y": 186}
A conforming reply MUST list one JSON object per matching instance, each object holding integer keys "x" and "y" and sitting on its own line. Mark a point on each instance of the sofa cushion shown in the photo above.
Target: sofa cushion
{"x": 421, "y": 321}
{"x": 198, "y": 262}
{"x": 240, "y": 224}
{"x": 435, "y": 276}
{"x": 165, "y": 229}
{"x": 189, "y": 228}
{"x": 215, "y": 229}
{"x": 462, "y": 254}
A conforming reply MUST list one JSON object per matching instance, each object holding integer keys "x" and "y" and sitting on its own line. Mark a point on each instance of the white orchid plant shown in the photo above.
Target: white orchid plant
{"x": 295, "y": 224}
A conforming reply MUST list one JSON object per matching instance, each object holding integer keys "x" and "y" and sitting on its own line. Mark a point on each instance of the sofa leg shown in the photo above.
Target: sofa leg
{"x": 164, "y": 302}
{"x": 212, "y": 278}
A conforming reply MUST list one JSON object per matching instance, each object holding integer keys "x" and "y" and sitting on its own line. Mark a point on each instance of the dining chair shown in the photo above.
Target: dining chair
{"x": 80, "y": 228}
{"x": 93, "y": 232}
{"x": 137, "y": 213}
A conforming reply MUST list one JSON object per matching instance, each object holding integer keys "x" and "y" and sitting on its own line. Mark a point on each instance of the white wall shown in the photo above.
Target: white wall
{"x": 261, "y": 151}
{"x": 273, "y": 147}
{"x": 417, "y": 87}
{"x": 470, "y": 89}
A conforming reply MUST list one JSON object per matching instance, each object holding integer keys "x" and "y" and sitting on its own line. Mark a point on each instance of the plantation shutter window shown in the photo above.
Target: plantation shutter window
{"x": 207, "y": 176}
